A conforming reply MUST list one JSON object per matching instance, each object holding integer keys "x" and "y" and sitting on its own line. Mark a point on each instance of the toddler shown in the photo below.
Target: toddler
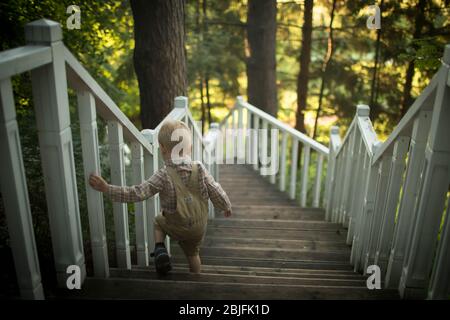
{"x": 184, "y": 187}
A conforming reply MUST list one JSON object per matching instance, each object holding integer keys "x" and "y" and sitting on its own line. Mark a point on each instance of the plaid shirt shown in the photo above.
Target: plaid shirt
{"x": 161, "y": 183}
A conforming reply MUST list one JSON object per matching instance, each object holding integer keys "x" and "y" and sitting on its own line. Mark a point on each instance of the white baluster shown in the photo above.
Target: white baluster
{"x": 390, "y": 209}
{"x": 255, "y": 143}
{"x": 354, "y": 238}
{"x": 240, "y": 144}
{"x": 305, "y": 174}
{"x": 122, "y": 237}
{"x": 15, "y": 199}
{"x": 318, "y": 180}
{"x": 380, "y": 199}
{"x": 435, "y": 182}
{"x": 355, "y": 198}
{"x": 218, "y": 148}
{"x": 274, "y": 154}
{"x": 359, "y": 250}
{"x": 294, "y": 160}
{"x": 440, "y": 278}
{"x": 51, "y": 104}
{"x": 338, "y": 183}
{"x": 331, "y": 172}
{"x": 91, "y": 164}
{"x": 137, "y": 164}
{"x": 282, "y": 180}
{"x": 248, "y": 139}
{"x": 265, "y": 162}
{"x": 403, "y": 228}
{"x": 355, "y": 155}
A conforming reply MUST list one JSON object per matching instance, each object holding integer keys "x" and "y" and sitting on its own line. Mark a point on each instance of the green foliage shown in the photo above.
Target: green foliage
{"x": 215, "y": 49}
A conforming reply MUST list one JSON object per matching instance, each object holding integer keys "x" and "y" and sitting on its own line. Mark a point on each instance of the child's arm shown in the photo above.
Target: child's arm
{"x": 134, "y": 193}
{"x": 217, "y": 195}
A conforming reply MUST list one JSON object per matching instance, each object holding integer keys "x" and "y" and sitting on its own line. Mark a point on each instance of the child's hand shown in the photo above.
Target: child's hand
{"x": 227, "y": 213}
{"x": 98, "y": 183}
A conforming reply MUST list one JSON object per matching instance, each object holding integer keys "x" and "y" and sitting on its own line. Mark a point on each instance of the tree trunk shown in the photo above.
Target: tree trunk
{"x": 205, "y": 36}
{"x": 305, "y": 58}
{"x": 418, "y": 25}
{"x": 202, "y": 105}
{"x": 208, "y": 100}
{"x": 261, "y": 64}
{"x": 373, "y": 101}
{"x": 159, "y": 56}
{"x": 326, "y": 63}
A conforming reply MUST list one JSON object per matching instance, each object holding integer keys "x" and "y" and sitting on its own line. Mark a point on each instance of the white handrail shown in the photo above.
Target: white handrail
{"x": 80, "y": 79}
{"x": 256, "y": 140}
{"x": 424, "y": 102}
{"x": 19, "y": 60}
{"x": 283, "y": 127}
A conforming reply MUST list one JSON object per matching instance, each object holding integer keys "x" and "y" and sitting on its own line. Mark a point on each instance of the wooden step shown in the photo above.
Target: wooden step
{"x": 262, "y": 253}
{"x": 269, "y": 263}
{"x": 267, "y": 233}
{"x": 277, "y": 212}
{"x": 275, "y": 224}
{"x": 118, "y": 288}
{"x": 273, "y": 272}
{"x": 235, "y": 278}
{"x": 212, "y": 241}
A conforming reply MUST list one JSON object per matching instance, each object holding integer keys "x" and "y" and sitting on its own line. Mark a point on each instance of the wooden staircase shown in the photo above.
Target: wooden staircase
{"x": 270, "y": 249}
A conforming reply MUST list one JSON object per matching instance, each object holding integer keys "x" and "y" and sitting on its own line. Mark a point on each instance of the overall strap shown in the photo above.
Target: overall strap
{"x": 192, "y": 182}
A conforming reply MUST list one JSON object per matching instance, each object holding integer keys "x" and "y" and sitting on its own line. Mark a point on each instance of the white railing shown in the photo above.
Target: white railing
{"x": 392, "y": 195}
{"x": 53, "y": 68}
{"x": 253, "y": 147}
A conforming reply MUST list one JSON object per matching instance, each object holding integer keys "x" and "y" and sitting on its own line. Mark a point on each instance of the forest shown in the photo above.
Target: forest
{"x": 307, "y": 62}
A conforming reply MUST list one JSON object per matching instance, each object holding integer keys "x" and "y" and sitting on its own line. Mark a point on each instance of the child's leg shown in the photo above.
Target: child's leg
{"x": 162, "y": 259}
{"x": 160, "y": 236}
{"x": 195, "y": 264}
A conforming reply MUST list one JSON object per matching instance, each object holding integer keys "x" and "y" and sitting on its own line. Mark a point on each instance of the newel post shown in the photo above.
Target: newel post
{"x": 211, "y": 155}
{"x": 240, "y": 134}
{"x": 55, "y": 140}
{"x": 16, "y": 203}
{"x": 181, "y": 102}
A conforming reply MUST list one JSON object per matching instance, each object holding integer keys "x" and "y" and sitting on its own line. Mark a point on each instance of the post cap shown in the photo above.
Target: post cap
{"x": 375, "y": 146}
{"x": 362, "y": 110}
{"x": 149, "y": 134}
{"x": 334, "y": 130}
{"x": 43, "y": 31}
{"x": 181, "y": 102}
{"x": 214, "y": 125}
{"x": 446, "y": 57}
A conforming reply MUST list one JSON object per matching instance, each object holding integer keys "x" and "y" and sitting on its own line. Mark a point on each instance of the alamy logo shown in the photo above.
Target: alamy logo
{"x": 74, "y": 280}
{"x": 74, "y": 20}
{"x": 374, "y": 280}
{"x": 374, "y": 21}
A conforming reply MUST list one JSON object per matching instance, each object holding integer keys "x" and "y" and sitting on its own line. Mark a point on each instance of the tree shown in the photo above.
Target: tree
{"x": 418, "y": 25}
{"x": 305, "y": 58}
{"x": 215, "y": 56}
{"x": 261, "y": 63}
{"x": 159, "y": 56}
{"x": 325, "y": 65}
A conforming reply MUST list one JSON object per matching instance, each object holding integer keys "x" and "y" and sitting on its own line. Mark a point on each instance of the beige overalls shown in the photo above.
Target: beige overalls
{"x": 188, "y": 224}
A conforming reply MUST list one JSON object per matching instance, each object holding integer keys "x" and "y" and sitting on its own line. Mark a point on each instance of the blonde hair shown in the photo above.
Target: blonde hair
{"x": 173, "y": 133}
